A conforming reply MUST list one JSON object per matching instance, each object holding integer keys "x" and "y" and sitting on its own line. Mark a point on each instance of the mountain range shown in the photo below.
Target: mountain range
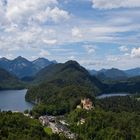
{"x": 21, "y": 67}
{"x": 115, "y": 74}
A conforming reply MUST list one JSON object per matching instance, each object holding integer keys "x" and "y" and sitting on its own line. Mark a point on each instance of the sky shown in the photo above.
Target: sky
{"x": 96, "y": 33}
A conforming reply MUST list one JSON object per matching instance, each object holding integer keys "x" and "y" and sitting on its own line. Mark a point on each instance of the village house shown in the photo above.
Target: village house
{"x": 81, "y": 122}
{"x": 44, "y": 120}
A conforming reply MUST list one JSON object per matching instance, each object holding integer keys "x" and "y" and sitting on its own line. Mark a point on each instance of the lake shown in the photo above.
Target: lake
{"x": 111, "y": 95}
{"x": 14, "y": 100}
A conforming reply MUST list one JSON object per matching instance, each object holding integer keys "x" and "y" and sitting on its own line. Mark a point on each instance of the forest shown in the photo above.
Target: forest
{"x": 16, "y": 126}
{"x": 114, "y": 118}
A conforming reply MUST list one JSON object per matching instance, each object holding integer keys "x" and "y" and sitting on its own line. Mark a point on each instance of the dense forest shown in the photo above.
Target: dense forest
{"x": 15, "y": 126}
{"x": 115, "y": 118}
{"x": 130, "y": 85}
{"x": 120, "y": 103}
{"x": 101, "y": 125}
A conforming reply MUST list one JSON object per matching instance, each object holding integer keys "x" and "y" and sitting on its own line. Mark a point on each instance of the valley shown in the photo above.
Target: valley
{"x": 68, "y": 100}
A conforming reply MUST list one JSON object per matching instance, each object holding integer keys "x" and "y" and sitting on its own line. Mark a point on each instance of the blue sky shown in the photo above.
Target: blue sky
{"x": 96, "y": 33}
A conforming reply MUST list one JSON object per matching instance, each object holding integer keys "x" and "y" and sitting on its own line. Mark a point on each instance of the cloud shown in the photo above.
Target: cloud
{"x": 111, "y": 4}
{"x": 123, "y": 48}
{"x": 26, "y": 11}
{"x": 104, "y": 30}
{"x": 135, "y": 52}
{"x": 71, "y": 57}
{"x": 54, "y": 14}
{"x": 90, "y": 48}
{"x": 2, "y": 14}
{"x": 44, "y": 53}
{"x": 28, "y": 24}
{"x": 113, "y": 58}
{"x": 50, "y": 42}
{"x": 91, "y": 63}
{"x": 76, "y": 32}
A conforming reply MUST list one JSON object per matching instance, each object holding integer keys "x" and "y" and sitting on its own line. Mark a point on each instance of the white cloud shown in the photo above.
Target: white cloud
{"x": 26, "y": 24}
{"x": 113, "y": 58}
{"x": 50, "y": 42}
{"x": 104, "y": 30}
{"x": 52, "y": 14}
{"x": 91, "y": 63}
{"x": 44, "y": 53}
{"x": 135, "y": 52}
{"x": 27, "y": 11}
{"x": 71, "y": 57}
{"x": 111, "y": 4}
{"x": 76, "y": 32}
{"x": 90, "y": 48}
{"x": 123, "y": 48}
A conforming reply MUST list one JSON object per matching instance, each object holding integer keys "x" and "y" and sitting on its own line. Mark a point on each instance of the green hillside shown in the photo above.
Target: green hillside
{"x": 63, "y": 86}
{"x": 9, "y": 81}
{"x": 130, "y": 85}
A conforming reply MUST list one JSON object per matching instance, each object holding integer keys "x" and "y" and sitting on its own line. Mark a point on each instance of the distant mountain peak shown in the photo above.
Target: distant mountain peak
{"x": 54, "y": 61}
{"x": 20, "y": 57}
{"x": 103, "y": 70}
{"x": 4, "y": 59}
{"x": 72, "y": 64}
{"x": 43, "y": 62}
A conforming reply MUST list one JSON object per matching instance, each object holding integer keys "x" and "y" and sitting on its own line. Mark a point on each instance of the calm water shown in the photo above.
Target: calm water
{"x": 14, "y": 100}
{"x": 111, "y": 95}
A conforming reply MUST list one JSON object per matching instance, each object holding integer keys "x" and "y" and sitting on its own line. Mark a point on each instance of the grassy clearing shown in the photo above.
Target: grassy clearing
{"x": 48, "y": 130}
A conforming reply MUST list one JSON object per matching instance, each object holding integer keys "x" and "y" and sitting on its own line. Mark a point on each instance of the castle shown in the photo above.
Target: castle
{"x": 87, "y": 104}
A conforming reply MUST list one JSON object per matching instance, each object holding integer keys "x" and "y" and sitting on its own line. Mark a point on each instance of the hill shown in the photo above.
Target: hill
{"x": 62, "y": 87}
{"x": 130, "y": 85}
{"x": 9, "y": 81}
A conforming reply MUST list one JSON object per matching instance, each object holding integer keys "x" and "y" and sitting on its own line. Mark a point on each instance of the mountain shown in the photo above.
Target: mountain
{"x": 115, "y": 74}
{"x": 62, "y": 87}
{"x": 4, "y": 63}
{"x": 9, "y": 81}
{"x": 93, "y": 72}
{"x": 42, "y": 62}
{"x": 70, "y": 71}
{"x": 110, "y": 74}
{"x": 133, "y": 72}
{"x": 22, "y": 67}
